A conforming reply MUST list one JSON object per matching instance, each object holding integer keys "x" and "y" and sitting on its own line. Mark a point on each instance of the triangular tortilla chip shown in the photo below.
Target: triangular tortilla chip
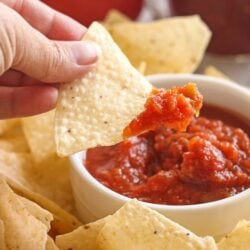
{"x": 95, "y": 109}
{"x": 40, "y": 177}
{"x": 83, "y": 237}
{"x": 238, "y": 239}
{"x": 39, "y": 213}
{"x": 22, "y": 230}
{"x": 137, "y": 227}
{"x": 173, "y": 45}
{"x": 30, "y": 181}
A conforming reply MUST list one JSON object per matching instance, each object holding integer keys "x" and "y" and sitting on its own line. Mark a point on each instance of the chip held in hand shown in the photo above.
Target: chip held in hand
{"x": 114, "y": 101}
{"x": 95, "y": 109}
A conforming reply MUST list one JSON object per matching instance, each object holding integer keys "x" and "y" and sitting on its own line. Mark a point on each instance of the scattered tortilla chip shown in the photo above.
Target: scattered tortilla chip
{"x": 2, "y": 238}
{"x": 94, "y": 110}
{"x": 174, "y": 45}
{"x": 238, "y": 239}
{"x": 83, "y": 237}
{"x": 17, "y": 166}
{"x": 22, "y": 230}
{"x": 39, "y": 130}
{"x": 137, "y": 227}
{"x": 39, "y": 213}
{"x": 63, "y": 221}
{"x": 51, "y": 179}
{"x": 212, "y": 71}
{"x": 114, "y": 17}
{"x": 30, "y": 179}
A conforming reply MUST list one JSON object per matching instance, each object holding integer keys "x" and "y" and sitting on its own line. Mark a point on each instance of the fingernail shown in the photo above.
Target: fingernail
{"x": 84, "y": 52}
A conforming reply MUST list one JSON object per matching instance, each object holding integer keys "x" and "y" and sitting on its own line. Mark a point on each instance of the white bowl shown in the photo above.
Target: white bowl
{"x": 94, "y": 200}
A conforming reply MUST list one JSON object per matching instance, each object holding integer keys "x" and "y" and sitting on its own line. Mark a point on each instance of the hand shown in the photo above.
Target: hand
{"x": 32, "y": 55}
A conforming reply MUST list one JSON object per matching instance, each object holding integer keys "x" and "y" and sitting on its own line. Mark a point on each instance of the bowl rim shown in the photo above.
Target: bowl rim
{"x": 78, "y": 166}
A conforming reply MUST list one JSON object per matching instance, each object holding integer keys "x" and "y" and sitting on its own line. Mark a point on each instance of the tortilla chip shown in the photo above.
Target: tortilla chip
{"x": 39, "y": 130}
{"x": 13, "y": 138}
{"x": 94, "y": 110}
{"x": 83, "y": 237}
{"x": 173, "y": 45}
{"x": 29, "y": 180}
{"x": 17, "y": 166}
{"x": 137, "y": 227}
{"x": 2, "y": 238}
{"x": 22, "y": 230}
{"x": 239, "y": 238}
{"x": 63, "y": 221}
{"x": 114, "y": 17}
{"x": 212, "y": 71}
{"x": 51, "y": 179}
{"x": 39, "y": 213}
{"x": 51, "y": 245}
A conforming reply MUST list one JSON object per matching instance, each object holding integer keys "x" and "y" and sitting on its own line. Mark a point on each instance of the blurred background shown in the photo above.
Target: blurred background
{"x": 229, "y": 20}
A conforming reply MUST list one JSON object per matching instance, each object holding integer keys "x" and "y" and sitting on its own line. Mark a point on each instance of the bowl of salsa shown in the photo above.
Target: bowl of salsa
{"x": 193, "y": 177}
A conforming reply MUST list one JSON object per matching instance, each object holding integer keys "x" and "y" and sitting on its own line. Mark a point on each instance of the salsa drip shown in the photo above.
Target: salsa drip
{"x": 173, "y": 108}
{"x": 209, "y": 161}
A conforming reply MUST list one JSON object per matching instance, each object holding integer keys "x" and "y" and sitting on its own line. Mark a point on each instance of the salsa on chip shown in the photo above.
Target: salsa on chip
{"x": 95, "y": 109}
{"x": 172, "y": 108}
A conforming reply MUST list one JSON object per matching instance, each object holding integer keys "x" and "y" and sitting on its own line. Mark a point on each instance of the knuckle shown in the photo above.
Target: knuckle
{"x": 54, "y": 62}
{"x": 7, "y": 38}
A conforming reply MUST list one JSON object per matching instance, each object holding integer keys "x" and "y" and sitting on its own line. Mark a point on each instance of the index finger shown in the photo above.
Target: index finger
{"x": 51, "y": 23}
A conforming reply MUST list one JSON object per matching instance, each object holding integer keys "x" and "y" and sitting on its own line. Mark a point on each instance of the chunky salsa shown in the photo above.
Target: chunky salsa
{"x": 210, "y": 161}
{"x": 173, "y": 108}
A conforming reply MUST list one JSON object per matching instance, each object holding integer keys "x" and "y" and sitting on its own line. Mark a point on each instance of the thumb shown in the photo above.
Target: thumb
{"x": 25, "y": 49}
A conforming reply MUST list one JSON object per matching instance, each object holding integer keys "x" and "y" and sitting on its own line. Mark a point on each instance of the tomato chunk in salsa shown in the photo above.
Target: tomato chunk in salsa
{"x": 209, "y": 161}
{"x": 173, "y": 108}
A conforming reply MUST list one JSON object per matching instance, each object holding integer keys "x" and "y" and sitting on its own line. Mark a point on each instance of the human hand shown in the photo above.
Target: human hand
{"x": 33, "y": 59}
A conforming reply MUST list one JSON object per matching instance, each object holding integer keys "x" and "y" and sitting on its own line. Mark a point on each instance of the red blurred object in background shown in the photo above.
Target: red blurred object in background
{"x": 229, "y": 21}
{"x": 87, "y": 11}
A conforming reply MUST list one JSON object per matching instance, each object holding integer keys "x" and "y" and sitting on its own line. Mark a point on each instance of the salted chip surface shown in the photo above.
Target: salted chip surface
{"x": 38, "y": 212}
{"x": 238, "y": 239}
{"x": 21, "y": 229}
{"x": 83, "y": 237}
{"x": 94, "y": 110}
{"x": 136, "y": 227}
{"x": 48, "y": 178}
{"x": 172, "y": 45}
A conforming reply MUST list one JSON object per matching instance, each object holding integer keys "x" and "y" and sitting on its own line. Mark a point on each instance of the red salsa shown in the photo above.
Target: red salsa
{"x": 210, "y": 161}
{"x": 173, "y": 108}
